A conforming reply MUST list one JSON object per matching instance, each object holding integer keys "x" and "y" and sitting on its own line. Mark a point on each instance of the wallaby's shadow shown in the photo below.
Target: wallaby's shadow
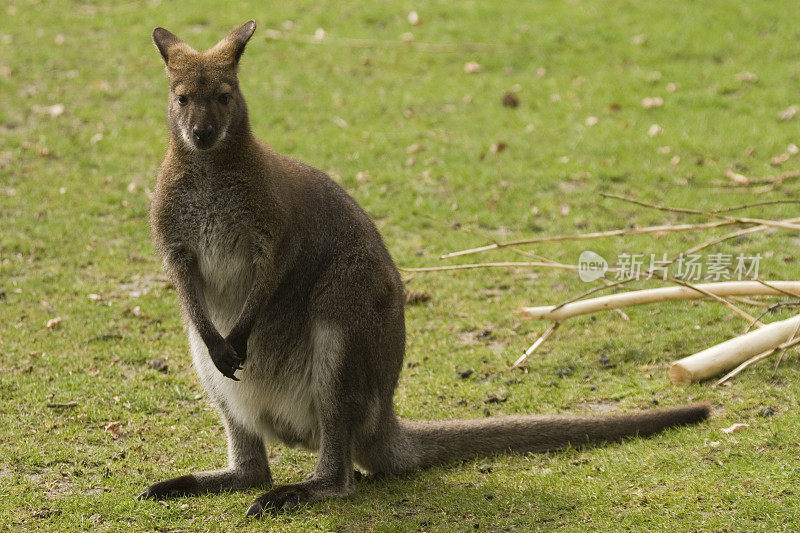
{"x": 478, "y": 503}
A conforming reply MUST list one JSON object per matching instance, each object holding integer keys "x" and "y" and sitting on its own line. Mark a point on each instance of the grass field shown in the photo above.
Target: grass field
{"x": 82, "y": 130}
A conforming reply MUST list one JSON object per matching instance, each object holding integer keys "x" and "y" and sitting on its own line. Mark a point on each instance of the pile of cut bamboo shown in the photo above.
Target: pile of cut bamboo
{"x": 733, "y": 355}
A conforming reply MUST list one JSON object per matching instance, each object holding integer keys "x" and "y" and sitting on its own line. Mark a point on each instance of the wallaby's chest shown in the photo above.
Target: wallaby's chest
{"x": 214, "y": 224}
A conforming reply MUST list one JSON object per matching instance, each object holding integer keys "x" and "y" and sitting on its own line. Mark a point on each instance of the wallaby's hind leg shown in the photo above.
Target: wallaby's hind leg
{"x": 333, "y": 474}
{"x": 247, "y": 468}
{"x": 332, "y": 477}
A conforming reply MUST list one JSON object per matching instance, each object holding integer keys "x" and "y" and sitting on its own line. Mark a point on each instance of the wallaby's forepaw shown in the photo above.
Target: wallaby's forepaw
{"x": 239, "y": 344}
{"x": 171, "y": 488}
{"x": 226, "y": 359}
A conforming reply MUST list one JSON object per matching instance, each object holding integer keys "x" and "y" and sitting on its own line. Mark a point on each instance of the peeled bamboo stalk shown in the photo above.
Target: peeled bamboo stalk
{"x": 717, "y": 359}
{"x": 663, "y": 294}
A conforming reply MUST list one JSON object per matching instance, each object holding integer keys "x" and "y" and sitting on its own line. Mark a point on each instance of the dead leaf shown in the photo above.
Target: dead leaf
{"x": 498, "y": 147}
{"x": 748, "y": 77}
{"x": 788, "y": 113}
{"x": 654, "y": 130}
{"x": 591, "y": 121}
{"x": 53, "y": 322}
{"x": 415, "y": 148}
{"x": 498, "y": 397}
{"x": 417, "y": 297}
{"x": 158, "y": 364}
{"x": 735, "y": 177}
{"x": 339, "y": 121}
{"x": 113, "y": 429}
{"x": 734, "y": 428}
{"x": 52, "y": 110}
{"x": 472, "y": 67}
{"x": 510, "y": 100}
{"x": 672, "y": 87}
{"x": 779, "y": 159}
{"x": 652, "y": 102}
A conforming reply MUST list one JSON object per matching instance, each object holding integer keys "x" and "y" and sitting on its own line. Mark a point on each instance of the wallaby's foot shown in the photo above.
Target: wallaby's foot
{"x": 171, "y": 488}
{"x": 287, "y": 497}
{"x": 202, "y": 482}
{"x": 226, "y": 359}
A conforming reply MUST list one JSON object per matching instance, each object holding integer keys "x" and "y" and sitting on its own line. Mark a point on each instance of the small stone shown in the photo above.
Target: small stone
{"x": 158, "y": 364}
{"x": 605, "y": 362}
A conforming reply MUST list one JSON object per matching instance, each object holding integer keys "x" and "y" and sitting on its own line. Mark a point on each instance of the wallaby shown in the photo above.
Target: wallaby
{"x": 294, "y": 308}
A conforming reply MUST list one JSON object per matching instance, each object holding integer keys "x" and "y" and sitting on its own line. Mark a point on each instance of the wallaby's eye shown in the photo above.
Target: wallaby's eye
{"x": 183, "y": 99}
{"x": 224, "y": 98}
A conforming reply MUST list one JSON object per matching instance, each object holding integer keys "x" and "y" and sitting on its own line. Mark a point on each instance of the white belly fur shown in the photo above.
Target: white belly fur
{"x": 256, "y": 401}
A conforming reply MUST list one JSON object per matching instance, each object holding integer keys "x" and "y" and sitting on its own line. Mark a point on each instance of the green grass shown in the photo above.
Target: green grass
{"x": 73, "y": 222}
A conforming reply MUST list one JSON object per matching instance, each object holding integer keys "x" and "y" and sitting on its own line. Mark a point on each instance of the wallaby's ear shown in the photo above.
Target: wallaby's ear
{"x": 230, "y": 48}
{"x": 164, "y": 40}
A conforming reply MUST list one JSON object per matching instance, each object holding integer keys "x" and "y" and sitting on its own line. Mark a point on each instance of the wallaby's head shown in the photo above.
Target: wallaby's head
{"x": 205, "y": 104}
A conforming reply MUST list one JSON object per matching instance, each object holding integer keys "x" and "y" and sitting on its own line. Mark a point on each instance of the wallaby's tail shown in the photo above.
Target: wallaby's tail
{"x": 428, "y": 443}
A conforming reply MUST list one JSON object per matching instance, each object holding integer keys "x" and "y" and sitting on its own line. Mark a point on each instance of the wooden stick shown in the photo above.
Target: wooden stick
{"x": 773, "y": 180}
{"x": 753, "y": 204}
{"x": 663, "y": 294}
{"x": 735, "y": 220}
{"x": 541, "y": 264}
{"x": 741, "y": 312}
{"x": 597, "y": 235}
{"x": 732, "y": 235}
{"x": 543, "y": 337}
{"x": 786, "y": 345}
{"x": 716, "y": 359}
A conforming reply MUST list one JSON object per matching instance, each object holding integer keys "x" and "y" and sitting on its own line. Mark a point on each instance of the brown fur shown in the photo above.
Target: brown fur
{"x": 295, "y": 309}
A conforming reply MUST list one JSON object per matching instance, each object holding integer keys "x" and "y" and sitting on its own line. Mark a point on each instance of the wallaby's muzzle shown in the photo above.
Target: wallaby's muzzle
{"x": 204, "y": 137}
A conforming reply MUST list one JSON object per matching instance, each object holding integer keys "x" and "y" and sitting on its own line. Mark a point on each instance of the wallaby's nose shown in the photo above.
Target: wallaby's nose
{"x": 203, "y": 135}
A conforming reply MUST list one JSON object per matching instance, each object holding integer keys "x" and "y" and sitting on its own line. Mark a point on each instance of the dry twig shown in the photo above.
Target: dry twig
{"x": 735, "y": 220}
